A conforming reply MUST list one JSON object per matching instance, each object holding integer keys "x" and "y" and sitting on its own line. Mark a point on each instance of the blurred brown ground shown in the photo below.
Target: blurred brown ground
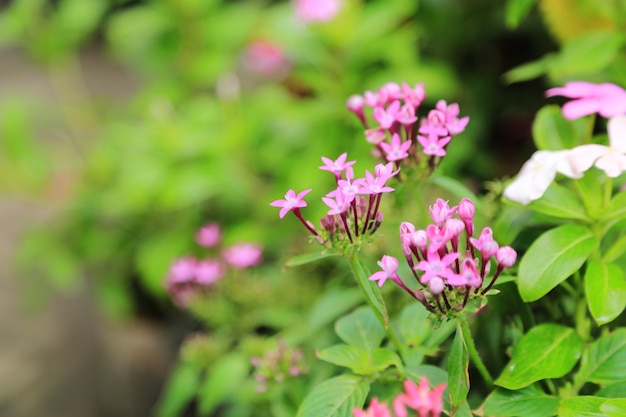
{"x": 67, "y": 359}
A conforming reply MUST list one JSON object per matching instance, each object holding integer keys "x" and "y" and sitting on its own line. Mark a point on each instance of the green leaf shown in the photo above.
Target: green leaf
{"x": 559, "y": 201}
{"x": 529, "y": 401}
{"x": 605, "y": 289}
{"x": 414, "y": 326}
{"x": 604, "y": 361}
{"x": 552, "y": 131}
{"x": 309, "y": 258}
{"x": 614, "y": 407}
{"x": 181, "y": 387}
{"x": 553, "y": 257}
{"x": 223, "y": 379}
{"x": 589, "y": 53}
{"x": 359, "y": 360}
{"x": 335, "y": 397}
{"x": 370, "y": 290}
{"x": 458, "y": 375}
{"x": 546, "y": 351}
{"x": 615, "y": 251}
{"x": 361, "y": 328}
{"x": 330, "y": 305}
{"x": 582, "y": 406}
{"x": 516, "y": 11}
{"x": 616, "y": 209}
{"x": 615, "y": 390}
{"x": 529, "y": 70}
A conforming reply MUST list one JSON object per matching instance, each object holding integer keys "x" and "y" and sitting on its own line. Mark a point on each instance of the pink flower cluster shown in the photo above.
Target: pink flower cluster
{"x": 540, "y": 170}
{"x": 399, "y": 134}
{"x": 354, "y": 204}
{"x": 418, "y": 397}
{"x": 317, "y": 11}
{"x": 188, "y": 275}
{"x": 448, "y": 269}
{"x": 278, "y": 365}
{"x": 265, "y": 60}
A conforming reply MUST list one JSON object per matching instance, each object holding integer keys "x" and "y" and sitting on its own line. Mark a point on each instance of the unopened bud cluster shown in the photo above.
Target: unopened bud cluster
{"x": 450, "y": 266}
{"x": 276, "y": 366}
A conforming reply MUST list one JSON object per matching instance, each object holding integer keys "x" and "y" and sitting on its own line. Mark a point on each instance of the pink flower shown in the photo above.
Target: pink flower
{"x": 435, "y": 124}
{"x": 435, "y": 266}
{"x": 265, "y": 59}
{"x": 243, "y": 255}
{"x": 441, "y": 211}
{"x": 506, "y": 257}
{"x": 485, "y": 243}
{"x": 375, "y": 135}
{"x": 606, "y": 99}
{"x": 453, "y": 124}
{"x": 375, "y": 409}
{"x": 374, "y": 185}
{"x": 389, "y": 266}
{"x": 414, "y": 96}
{"x": 469, "y": 275}
{"x": 397, "y": 150}
{"x": 438, "y": 236}
{"x": 317, "y": 10}
{"x": 427, "y": 402}
{"x": 386, "y": 117}
{"x": 208, "y": 235}
{"x": 337, "y": 166}
{"x": 433, "y": 145}
{"x": 385, "y": 171}
{"x": 339, "y": 205}
{"x": 208, "y": 271}
{"x": 182, "y": 270}
{"x": 291, "y": 202}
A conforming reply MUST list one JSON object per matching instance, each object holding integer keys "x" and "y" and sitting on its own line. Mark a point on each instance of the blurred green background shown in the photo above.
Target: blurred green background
{"x": 126, "y": 125}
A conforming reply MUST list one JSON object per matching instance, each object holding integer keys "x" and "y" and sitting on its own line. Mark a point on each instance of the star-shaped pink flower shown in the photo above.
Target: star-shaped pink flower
{"x": 389, "y": 269}
{"x": 337, "y": 166}
{"x": 397, "y": 150}
{"x": 291, "y": 202}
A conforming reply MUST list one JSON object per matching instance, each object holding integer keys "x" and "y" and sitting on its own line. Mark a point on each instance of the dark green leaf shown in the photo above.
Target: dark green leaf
{"x": 553, "y": 257}
{"x": 335, "y": 397}
{"x": 546, "y": 351}
{"x": 605, "y": 289}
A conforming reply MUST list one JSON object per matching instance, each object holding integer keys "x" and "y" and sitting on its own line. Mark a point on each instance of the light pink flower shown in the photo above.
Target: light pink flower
{"x": 208, "y": 271}
{"x": 340, "y": 204}
{"x": 265, "y": 59}
{"x": 337, "y": 166}
{"x": 182, "y": 270}
{"x": 375, "y": 185}
{"x": 435, "y": 266}
{"x": 427, "y": 402}
{"x": 310, "y": 11}
{"x": 414, "y": 96}
{"x": 485, "y": 243}
{"x": 389, "y": 266}
{"x": 243, "y": 255}
{"x": 397, "y": 150}
{"x": 291, "y": 202}
{"x": 469, "y": 275}
{"x": 506, "y": 257}
{"x": 209, "y": 235}
{"x": 433, "y": 145}
{"x": 606, "y": 99}
{"x": 386, "y": 117}
{"x": 441, "y": 211}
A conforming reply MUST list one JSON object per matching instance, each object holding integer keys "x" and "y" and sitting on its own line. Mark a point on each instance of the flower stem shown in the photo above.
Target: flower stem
{"x": 471, "y": 348}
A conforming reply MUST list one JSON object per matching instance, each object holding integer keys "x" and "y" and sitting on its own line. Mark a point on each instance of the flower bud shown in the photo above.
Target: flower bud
{"x": 506, "y": 256}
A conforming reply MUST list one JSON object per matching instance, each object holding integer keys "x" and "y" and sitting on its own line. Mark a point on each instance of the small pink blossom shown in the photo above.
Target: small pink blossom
{"x": 337, "y": 166}
{"x": 438, "y": 237}
{"x": 435, "y": 266}
{"x": 606, "y": 99}
{"x": 397, "y": 150}
{"x": 468, "y": 276}
{"x": 182, "y": 270}
{"x": 385, "y": 171}
{"x": 435, "y": 124}
{"x": 209, "y": 271}
{"x": 374, "y": 185}
{"x": 311, "y": 11}
{"x": 376, "y": 409}
{"x": 291, "y": 202}
{"x": 340, "y": 204}
{"x": 209, "y": 235}
{"x": 506, "y": 257}
{"x": 441, "y": 211}
{"x": 433, "y": 145}
{"x": 386, "y": 117}
{"x": 243, "y": 255}
{"x": 485, "y": 243}
{"x": 389, "y": 266}
{"x": 427, "y": 402}
{"x": 265, "y": 59}
{"x": 375, "y": 136}
{"x": 414, "y": 96}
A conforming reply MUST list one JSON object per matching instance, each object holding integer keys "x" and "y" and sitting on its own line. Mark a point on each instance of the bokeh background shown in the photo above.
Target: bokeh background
{"x": 126, "y": 125}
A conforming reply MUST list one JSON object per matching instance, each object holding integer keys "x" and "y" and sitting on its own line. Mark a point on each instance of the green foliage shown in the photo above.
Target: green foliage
{"x": 335, "y": 397}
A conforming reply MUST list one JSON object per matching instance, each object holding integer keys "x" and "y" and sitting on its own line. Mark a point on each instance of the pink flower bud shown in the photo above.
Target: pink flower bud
{"x": 454, "y": 226}
{"x": 208, "y": 235}
{"x": 406, "y": 230}
{"x": 208, "y": 271}
{"x": 243, "y": 255}
{"x": 506, "y": 256}
{"x": 375, "y": 136}
{"x": 466, "y": 210}
{"x": 355, "y": 104}
{"x": 419, "y": 239}
{"x": 436, "y": 285}
{"x": 441, "y": 211}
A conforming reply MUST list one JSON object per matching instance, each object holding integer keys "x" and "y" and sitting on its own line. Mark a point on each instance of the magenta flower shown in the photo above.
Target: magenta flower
{"x": 406, "y": 115}
{"x": 310, "y": 11}
{"x": 376, "y": 409}
{"x": 435, "y": 266}
{"x": 386, "y": 117}
{"x": 506, "y": 257}
{"x": 485, "y": 243}
{"x": 468, "y": 276}
{"x": 243, "y": 255}
{"x": 209, "y": 235}
{"x": 385, "y": 171}
{"x": 374, "y": 185}
{"x": 414, "y": 96}
{"x": 397, "y": 150}
{"x": 340, "y": 204}
{"x": 439, "y": 237}
{"x": 337, "y": 166}
{"x": 433, "y": 145}
{"x": 291, "y": 202}
{"x": 208, "y": 271}
{"x": 606, "y": 99}
{"x": 453, "y": 124}
{"x": 389, "y": 266}
{"x": 435, "y": 124}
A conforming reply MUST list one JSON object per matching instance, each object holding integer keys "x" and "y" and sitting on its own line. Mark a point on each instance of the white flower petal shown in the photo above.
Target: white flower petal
{"x": 617, "y": 133}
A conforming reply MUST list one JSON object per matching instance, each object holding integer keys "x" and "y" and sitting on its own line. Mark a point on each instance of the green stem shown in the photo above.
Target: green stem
{"x": 608, "y": 191}
{"x": 471, "y": 348}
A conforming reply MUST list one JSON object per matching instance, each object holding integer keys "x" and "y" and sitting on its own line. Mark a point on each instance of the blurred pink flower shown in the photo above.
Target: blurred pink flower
{"x": 209, "y": 235}
{"x": 427, "y": 402}
{"x": 265, "y": 59}
{"x": 310, "y": 11}
{"x": 209, "y": 271}
{"x": 376, "y": 409}
{"x": 606, "y": 99}
{"x": 182, "y": 270}
{"x": 243, "y": 255}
